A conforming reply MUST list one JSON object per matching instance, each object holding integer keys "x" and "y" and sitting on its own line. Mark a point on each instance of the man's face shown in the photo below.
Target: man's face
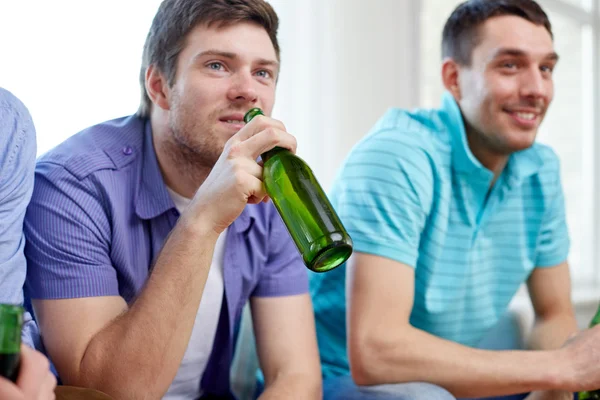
{"x": 222, "y": 72}
{"x": 506, "y": 91}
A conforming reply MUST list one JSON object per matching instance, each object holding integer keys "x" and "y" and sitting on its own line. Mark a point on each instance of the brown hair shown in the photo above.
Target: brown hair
{"x": 460, "y": 35}
{"x": 176, "y": 18}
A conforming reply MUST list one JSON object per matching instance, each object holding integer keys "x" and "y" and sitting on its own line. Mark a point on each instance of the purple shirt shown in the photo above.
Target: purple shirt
{"x": 100, "y": 214}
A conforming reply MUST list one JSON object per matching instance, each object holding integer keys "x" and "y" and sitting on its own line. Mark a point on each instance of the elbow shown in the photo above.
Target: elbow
{"x": 367, "y": 359}
{"x": 97, "y": 373}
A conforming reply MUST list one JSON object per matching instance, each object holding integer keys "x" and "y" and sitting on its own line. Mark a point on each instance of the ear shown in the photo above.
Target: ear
{"x": 450, "y": 77}
{"x": 157, "y": 87}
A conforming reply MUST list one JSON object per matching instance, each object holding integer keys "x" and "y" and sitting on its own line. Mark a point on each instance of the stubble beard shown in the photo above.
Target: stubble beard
{"x": 193, "y": 150}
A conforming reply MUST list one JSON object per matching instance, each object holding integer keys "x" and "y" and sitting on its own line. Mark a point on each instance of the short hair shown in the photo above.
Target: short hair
{"x": 461, "y": 31}
{"x": 176, "y": 18}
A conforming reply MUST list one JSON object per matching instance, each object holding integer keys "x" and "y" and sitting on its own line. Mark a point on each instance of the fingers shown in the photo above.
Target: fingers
{"x": 267, "y": 139}
{"x": 33, "y": 372}
{"x": 48, "y": 386}
{"x": 247, "y": 166}
{"x": 258, "y": 124}
{"x": 259, "y": 135}
{"x": 9, "y": 390}
{"x": 256, "y": 191}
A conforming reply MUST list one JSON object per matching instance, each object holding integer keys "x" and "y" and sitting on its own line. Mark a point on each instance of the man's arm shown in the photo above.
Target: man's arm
{"x": 384, "y": 348}
{"x": 98, "y": 342}
{"x": 550, "y": 292}
{"x": 135, "y": 352}
{"x": 17, "y": 162}
{"x": 287, "y": 347}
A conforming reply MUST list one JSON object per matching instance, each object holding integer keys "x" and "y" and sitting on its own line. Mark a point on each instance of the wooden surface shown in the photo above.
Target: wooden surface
{"x": 75, "y": 393}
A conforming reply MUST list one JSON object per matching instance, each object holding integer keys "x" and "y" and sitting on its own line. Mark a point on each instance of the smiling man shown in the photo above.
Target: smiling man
{"x": 148, "y": 234}
{"x": 450, "y": 211}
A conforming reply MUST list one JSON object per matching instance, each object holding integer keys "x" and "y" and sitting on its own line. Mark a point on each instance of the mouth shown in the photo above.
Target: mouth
{"x": 233, "y": 121}
{"x": 525, "y": 118}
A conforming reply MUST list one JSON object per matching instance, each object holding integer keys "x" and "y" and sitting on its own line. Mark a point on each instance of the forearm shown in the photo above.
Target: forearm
{"x": 416, "y": 356}
{"x": 295, "y": 387}
{"x": 138, "y": 354}
{"x": 552, "y": 333}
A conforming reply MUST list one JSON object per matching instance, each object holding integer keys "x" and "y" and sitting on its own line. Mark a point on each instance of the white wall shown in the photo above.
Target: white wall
{"x": 351, "y": 61}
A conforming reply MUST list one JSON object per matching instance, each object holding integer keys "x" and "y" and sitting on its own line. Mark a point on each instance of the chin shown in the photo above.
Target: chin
{"x": 519, "y": 145}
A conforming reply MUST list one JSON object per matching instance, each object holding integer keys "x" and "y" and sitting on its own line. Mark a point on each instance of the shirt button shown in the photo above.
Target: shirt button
{"x": 127, "y": 150}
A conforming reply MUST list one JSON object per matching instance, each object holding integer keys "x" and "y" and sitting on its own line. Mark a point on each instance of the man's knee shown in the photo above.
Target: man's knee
{"x": 343, "y": 388}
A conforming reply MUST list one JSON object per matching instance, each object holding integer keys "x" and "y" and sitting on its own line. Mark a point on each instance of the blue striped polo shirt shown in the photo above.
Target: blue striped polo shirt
{"x": 413, "y": 192}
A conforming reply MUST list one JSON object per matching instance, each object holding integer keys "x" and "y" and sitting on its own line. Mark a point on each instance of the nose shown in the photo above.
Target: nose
{"x": 242, "y": 88}
{"x": 535, "y": 84}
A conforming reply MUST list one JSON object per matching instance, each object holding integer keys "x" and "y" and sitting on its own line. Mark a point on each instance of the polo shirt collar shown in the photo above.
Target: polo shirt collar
{"x": 520, "y": 165}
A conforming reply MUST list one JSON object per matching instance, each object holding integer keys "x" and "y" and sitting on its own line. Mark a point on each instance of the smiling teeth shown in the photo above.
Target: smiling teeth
{"x": 527, "y": 116}
{"x": 234, "y": 121}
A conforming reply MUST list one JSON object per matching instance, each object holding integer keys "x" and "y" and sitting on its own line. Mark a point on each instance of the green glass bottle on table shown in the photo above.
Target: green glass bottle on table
{"x": 304, "y": 208}
{"x": 11, "y": 323}
{"x": 595, "y": 394}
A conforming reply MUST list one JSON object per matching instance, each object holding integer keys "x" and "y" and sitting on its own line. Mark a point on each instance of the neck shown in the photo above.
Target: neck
{"x": 178, "y": 171}
{"x": 493, "y": 160}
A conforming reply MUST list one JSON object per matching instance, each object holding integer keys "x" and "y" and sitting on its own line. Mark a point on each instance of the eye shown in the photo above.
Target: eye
{"x": 547, "y": 68}
{"x": 215, "y": 66}
{"x": 264, "y": 74}
{"x": 509, "y": 65}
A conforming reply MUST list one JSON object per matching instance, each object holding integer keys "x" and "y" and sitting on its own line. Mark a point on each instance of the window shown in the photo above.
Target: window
{"x": 569, "y": 127}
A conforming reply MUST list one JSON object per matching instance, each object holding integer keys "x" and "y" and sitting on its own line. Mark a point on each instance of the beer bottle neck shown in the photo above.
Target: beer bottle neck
{"x": 270, "y": 153}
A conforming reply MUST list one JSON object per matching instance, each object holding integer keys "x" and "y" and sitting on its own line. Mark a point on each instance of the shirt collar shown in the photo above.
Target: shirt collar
{"x": 152, "y": 197}
{"x": 463, "y": 159}
{"x": 521, "y": 164}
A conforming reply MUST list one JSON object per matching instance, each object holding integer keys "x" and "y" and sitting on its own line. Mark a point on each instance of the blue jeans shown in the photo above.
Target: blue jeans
{"x": 343, "y": 388}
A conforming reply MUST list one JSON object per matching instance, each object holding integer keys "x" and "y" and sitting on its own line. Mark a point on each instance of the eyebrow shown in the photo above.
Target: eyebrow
{"x": 520, "y": 53}
{"x": 233, "y": 56}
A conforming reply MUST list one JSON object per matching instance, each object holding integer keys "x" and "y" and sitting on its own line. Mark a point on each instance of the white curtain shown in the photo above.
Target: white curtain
{"x": 344, "y": 62}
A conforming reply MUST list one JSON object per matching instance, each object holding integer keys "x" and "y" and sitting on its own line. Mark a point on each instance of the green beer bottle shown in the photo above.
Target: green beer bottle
{"x": 304, "y": 208}
{"x": 595, "y": 394}
{"x": 11, "y": 322}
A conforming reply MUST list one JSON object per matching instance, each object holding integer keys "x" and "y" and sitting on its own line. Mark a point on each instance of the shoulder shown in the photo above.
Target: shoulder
{"x": 17, "y": 133}
{"x": 11, "y": 106}
{"x": 404, "y": 147}
{"x": 17, "y": 138}
{"x": 110, "y": 145}
{"x": 410, "y": 138}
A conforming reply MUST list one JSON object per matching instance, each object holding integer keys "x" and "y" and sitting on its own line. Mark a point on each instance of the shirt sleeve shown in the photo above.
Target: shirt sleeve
{"x": 17, "y": 162}
{"x": 284, "y": 273}
{"x": 383, "y": 195}
{"x": 68, "y": 235}
{"x": 553, "y": 241}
